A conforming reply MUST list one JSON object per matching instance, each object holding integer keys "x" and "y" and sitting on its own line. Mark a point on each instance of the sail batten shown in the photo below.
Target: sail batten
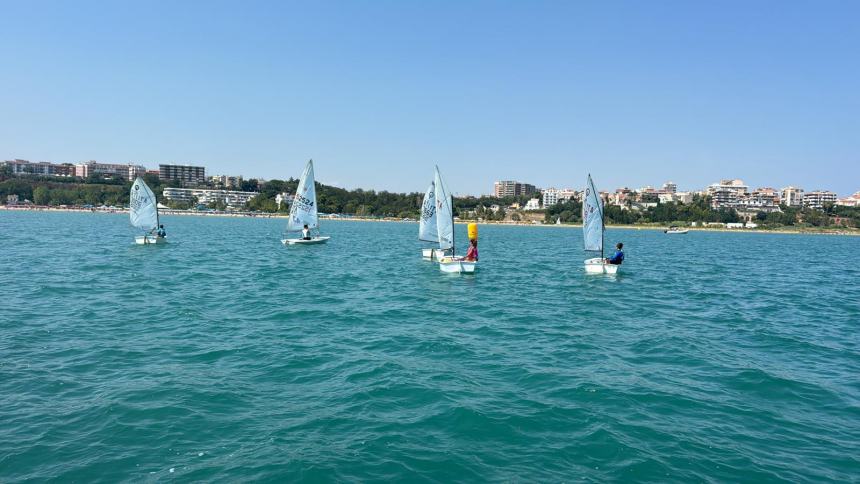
{"x": 444, "y": 214}
{"x": 143, "y": 209}
{"x": 304, "y": 209}
{"x": 427, "y": 229}
{"x": 592, "y": 218}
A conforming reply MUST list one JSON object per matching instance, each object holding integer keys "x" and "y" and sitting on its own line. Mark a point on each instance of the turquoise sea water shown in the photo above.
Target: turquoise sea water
{"x": 227, "y": 356}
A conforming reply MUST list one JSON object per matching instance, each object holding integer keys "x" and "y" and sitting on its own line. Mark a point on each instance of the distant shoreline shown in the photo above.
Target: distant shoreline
{"x": 353, "y": 218}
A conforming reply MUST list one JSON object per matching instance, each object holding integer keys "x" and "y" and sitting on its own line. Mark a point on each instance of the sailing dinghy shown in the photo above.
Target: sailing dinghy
{"x": 304, "y": 210}
{"x": 427, "y": 225}
{"x": 592, "y": 231}
{"x": 143, "y": 213}
{"x": 445, "y": 231}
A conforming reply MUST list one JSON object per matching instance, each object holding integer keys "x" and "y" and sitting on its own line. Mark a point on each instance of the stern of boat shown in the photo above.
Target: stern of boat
{"x": 457, "y": 266}
{"x": 599, "y": 266}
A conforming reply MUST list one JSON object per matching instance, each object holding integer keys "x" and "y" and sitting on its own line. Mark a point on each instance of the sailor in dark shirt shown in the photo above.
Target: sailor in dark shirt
{"x": 618, "y": 258}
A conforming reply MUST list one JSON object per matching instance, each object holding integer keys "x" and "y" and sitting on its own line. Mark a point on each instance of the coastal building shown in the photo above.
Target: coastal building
{"x": 622, "y": 197}
{"x": 647, "y": 194}
{"x": 233, "y": 199}
{"x": 42, "y": 168}
{"x": 760, "y": 200}
{"x": 850, "y": 201}
{"x": 727, "y": 193}
{"x": 791, "y": 196}
{"x": 284, "y": 198}
{"x": 187, "y": 175}
{"x": 226, "y": 181}
{"x": 816, "y": 199}
{"x": 510, "y": 188}
{"x": 670, "y": 187}
{"x": 532, "y": 204}
{"x": 125, "y": 171}
{"x": 552, "y": 196}
{"x": 675, "y": 197}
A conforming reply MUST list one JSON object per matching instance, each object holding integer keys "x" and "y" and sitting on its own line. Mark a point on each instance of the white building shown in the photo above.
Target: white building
{"x": 676, "y": 197}
{"x": 851, "y": 201}
{"x": 111, "y": 170}
{"x": 791, "y": 196}
{"x": 817, "y": 198}
{"x": 42, "y": 168}
{"x": 760, "y": 200}
{"x": 532, "y": 204}
{"x": 550, "y": 197}
{"x": 226, "y": 181}
{"x": 229, "y": 197}
{"x": 727, "y": 193}
{"x": 670, "y": 187}
{"x": 284, "y": 197}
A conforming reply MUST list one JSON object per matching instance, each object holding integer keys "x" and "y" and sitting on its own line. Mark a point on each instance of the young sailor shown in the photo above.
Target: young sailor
{"x": 472, "y": 253}
{"x": 618, "y": 258}
{"x": 306, "y": 233}
{"x": 161, "y": 232}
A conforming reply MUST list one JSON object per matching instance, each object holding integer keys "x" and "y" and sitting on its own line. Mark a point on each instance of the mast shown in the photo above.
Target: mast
{"x": 157, "y": 220}
{"x": 316, "y": 208}
{"x": 602, "y": 225}
{"x": 453, "y": 229}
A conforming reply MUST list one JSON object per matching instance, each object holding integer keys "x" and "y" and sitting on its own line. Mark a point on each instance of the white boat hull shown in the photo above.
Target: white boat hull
{"x": 457, "y": 266}
{"x": 599, "y": 266}
{"x": 315, "y": 240}
{"x": 149, "y": 240}
{"x": 433, "y": 254}
{"x": 683, "y": 231}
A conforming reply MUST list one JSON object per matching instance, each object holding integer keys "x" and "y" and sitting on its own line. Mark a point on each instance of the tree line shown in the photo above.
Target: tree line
{"x": 370, "y": 203}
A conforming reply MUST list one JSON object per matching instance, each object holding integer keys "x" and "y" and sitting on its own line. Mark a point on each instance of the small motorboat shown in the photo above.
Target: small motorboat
{"x": 676, "y": 230}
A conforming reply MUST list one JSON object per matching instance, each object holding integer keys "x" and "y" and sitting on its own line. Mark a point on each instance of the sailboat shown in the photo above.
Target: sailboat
{"x": 558, "y": 221}
{"x": 143, "y": 213}
{"x": 304, "y": 210}
{"x": 592, "y": 231}
{"x": 427, "y": 225}
{"x": 445, "y": 231}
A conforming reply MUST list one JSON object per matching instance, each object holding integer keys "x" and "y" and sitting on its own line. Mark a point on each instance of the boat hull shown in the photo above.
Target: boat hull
{"x": 433, "y": 254}
{"x": 457, "y": 266}
{"x": 313, "y": 241}
{"x": 149, "y": 240}
{"x": 675, "y": 231}
{"x": 599, "y": 266}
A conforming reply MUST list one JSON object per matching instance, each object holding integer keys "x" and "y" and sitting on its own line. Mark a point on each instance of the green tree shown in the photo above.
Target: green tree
{"x": 41, "y": 196}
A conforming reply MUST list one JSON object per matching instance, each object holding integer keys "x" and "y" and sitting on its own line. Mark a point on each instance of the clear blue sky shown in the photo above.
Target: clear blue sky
{"x": 378, "y": 92}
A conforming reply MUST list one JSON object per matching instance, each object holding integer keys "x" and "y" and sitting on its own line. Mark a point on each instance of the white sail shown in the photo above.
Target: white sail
{"x": 427, "y": 230}
{"x": 444, "y": 214}
{"x": 592, "y": 218}
{"x": 304, "y": 209}
{"x": 143, "y": 211}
